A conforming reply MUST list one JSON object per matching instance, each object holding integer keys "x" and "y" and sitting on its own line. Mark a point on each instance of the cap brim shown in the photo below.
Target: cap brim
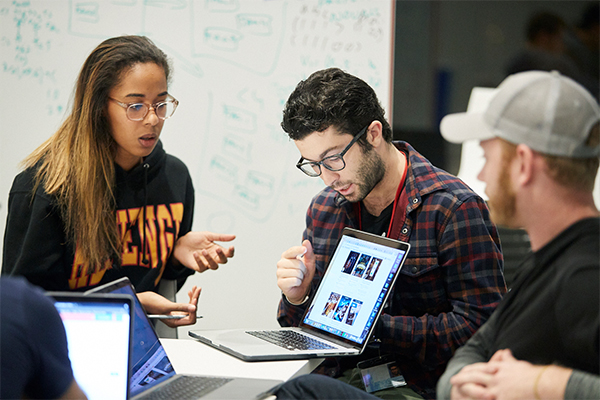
{"x": 460, "y": 127}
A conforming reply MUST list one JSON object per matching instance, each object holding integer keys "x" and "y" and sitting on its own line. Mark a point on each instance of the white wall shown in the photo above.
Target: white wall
{"x": 235, "y": 64}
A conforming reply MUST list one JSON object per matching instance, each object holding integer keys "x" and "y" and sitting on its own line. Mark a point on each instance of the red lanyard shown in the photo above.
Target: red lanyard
{"x": 399, "y": 193}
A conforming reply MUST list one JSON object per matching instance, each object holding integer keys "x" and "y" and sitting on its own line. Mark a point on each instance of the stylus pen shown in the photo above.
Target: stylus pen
{"x": 301, "y": 256}
{"x": 164, "y": 316}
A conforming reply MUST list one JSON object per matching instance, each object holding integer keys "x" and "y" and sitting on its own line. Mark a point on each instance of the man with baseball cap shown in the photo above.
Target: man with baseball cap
{"x": 540, "y": 135}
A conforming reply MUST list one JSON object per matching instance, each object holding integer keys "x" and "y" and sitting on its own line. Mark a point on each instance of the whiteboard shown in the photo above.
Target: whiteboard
{"x": 235, "y": 63}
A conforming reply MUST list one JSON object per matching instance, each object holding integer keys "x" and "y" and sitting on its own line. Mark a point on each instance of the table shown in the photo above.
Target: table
{"x": 192, "y": 357}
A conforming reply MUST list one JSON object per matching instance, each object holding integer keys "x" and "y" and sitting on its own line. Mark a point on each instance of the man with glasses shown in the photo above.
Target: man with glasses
{"x": 452, "y": 279}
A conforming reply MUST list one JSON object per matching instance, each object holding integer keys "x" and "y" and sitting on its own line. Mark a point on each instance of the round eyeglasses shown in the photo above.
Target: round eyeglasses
{"x": 138, "y": 111}
{"x": 333, "y": 163}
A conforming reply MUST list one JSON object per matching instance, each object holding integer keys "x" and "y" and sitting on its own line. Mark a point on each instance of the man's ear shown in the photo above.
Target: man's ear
{"x": 526, "y": 159}
{"x": 375, "y": 133}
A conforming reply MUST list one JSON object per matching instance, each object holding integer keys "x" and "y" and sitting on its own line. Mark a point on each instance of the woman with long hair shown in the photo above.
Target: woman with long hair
{"x": 101, "y": 199}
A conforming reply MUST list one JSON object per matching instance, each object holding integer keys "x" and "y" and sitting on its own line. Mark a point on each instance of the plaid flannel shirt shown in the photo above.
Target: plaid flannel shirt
{"x": 449, "y": 285}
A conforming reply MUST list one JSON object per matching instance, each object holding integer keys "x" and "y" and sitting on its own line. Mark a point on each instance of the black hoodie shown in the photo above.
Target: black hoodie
{"x": 36, "y": 247}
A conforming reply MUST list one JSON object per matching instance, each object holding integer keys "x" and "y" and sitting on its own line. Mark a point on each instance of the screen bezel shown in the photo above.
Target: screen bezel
{"x": 118, "y": 284}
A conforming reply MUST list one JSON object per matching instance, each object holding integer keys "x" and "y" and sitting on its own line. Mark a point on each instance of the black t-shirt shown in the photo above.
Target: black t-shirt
{"x": 379, "y": 224}
{"x": 551, "y": 313}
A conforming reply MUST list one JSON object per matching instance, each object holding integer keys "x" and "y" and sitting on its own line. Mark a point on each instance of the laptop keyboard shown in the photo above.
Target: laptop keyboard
{"x": 290, "y": 340}
{"x": 187, "y": 387}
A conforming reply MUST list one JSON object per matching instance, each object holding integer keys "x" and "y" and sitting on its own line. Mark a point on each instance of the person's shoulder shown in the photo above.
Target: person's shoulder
{"x": 13, "y": 286}
{"x": 16, "y": 290}
{"x": 583, "y": 239}
{"x": 328, "y": 204}
{"x": 589, "y": 226}
{"x": 577, "y": 247}
{"x": 173, "y": 162}
{"x": 23, "y": 185}
{"x": 26, "y": 311}
{"x": 584, "y": 230}
{"x": 24, "y": 180}
{"x": 327, "y": 197}
{"x": 27, "y": 306}
{"x": 432, "y": 180}
{"x": 457, "y": 186}
{"x": 18, "y": 284}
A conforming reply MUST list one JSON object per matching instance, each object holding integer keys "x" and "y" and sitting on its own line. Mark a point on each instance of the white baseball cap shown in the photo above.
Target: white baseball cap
{"x": 547, "y": 111}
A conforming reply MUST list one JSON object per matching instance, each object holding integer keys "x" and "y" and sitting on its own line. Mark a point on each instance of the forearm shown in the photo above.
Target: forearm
{"x": 477, "y": 349}
{"x": 174, "y": 270}
{"x": 468, "y": 278}
{"x": 433, "y": 338}
{"x": 186, "y": 224}
{"x": 444, "y": 387}
{"x": 582, "y": 385}
{"x": 289, "y": 314}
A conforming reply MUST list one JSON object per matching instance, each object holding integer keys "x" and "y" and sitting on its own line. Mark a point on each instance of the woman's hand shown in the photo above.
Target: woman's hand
{"x": 154, "y": 303}
{"x": 197, "y": 250}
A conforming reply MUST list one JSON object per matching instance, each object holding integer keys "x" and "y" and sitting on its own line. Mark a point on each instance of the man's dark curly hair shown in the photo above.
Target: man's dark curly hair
{"x": 332, "y": 97}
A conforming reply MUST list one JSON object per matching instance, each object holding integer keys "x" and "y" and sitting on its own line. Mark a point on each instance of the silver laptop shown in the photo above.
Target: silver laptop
{"x": 342, "y": 314}
{"x": 99, "y": 337}
{"x": 153, "y": 375}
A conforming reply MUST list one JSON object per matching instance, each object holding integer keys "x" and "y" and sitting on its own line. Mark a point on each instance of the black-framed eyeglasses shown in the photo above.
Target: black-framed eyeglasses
{"x": 333, "y": 163}
{"x": 138, "y": 111}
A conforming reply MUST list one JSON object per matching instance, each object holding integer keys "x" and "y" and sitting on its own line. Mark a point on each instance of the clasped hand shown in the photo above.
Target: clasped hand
{"x": 502, "y": 378}
{"x": 295, "y": 271}
{"x": 198, "y": 250}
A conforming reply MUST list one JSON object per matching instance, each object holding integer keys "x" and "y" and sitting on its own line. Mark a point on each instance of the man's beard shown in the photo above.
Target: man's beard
{"x": 370, "y": 173}
{"x": 503, "y": 204}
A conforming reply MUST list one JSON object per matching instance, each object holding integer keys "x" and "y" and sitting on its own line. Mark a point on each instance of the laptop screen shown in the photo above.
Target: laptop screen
{"x": 99, "y": 338}
{"x": 352, "y": 291}
{"x": 151, "y": 365}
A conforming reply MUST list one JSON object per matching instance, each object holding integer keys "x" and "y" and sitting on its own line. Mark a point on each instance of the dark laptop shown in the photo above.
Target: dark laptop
{"x": 340, "y": 317}
{"x": 153, "y": 375}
